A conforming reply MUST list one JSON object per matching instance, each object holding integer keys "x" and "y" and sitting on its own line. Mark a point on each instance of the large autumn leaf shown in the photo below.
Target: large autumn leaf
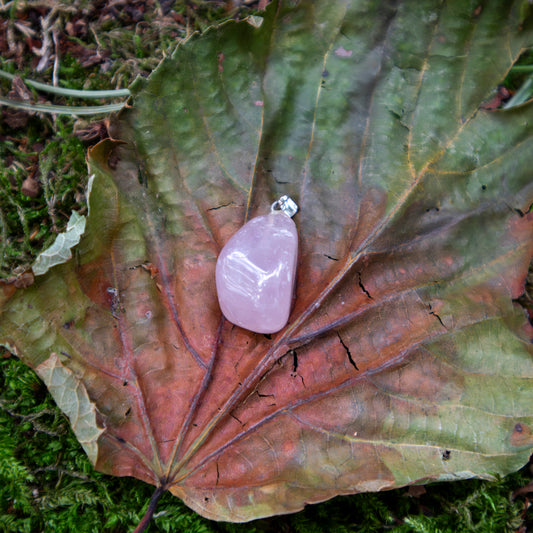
{"x": 405, "y": 359}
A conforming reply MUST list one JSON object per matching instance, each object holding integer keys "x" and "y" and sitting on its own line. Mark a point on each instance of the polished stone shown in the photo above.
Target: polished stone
{"x": 255, "y": 273}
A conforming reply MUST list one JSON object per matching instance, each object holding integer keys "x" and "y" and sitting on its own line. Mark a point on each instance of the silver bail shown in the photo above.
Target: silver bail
{"x": 285, "y": 204}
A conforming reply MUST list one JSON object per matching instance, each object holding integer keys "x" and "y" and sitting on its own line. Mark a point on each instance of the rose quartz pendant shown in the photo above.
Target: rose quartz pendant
{"x": 256, "y": 269}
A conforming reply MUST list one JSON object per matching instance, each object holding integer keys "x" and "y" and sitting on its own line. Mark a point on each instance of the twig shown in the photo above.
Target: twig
{"x": 55, "y": 72}
{"x": 143, "y": 524}
{"x": 32, "y": 419}
{"x": 27, "y": 31}
{"x": 45, "y": 50}
{"x": 520, "y": 491}
{"x": 7, "y": 6}
{"x": 61, "y": 471}
{"x": 11, "y": 41}
{"x": 95, "y": 35}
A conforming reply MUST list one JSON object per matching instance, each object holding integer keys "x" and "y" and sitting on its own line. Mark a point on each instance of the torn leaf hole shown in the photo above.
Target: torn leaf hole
{"x": 438, "y": 318}
{"x": 294, "y": 360}
{"x": 446, "y": 455}
{"x": 432, "y": 313}
{"x": 331, "y": 257}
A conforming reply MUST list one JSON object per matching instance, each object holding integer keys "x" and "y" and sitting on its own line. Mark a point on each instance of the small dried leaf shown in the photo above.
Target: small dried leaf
{"x": 60, "y": 251}
{"x": 71, "y": 396}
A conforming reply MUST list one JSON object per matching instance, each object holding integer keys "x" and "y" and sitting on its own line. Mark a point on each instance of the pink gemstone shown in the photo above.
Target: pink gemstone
{"x": 255, "y": 273}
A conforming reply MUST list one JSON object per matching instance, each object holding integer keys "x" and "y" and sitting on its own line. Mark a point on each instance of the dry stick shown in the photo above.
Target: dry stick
{"x": 45, "y": 51}
{"x": 55, "y": 72}
{"x": 143, "y": 524}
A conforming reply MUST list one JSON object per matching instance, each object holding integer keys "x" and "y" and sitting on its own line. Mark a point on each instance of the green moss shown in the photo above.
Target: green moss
{"x": 57, "y": 167}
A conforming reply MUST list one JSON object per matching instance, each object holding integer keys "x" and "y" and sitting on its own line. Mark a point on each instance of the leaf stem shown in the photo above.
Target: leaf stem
{"x": 146, "y": 519}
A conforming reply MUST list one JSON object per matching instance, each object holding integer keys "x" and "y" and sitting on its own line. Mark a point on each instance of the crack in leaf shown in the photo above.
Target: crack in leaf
{"x": 348, "y": 353}
{"x": 362, "y": 286}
